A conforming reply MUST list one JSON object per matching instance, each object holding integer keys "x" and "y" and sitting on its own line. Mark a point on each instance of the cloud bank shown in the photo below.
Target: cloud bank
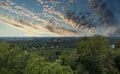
{"x": 59, "y": 18}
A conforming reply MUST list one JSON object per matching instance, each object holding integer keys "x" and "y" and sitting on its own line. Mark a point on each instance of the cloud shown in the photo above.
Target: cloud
{"x": 71, "y": 1}
{"x": 19, "y": 10}
{"x": 51, "y": 20}
{"x": 103, "y": 11}
{"x": 108, "y": 22}
{"x": 53, "y": 2}
{"x": 34, "y": 29}
{"x": 30, "y": 28}
{"x": 6, "y": 4}
{"x": 25, "y": 12}
{"x": 46, "y": 2}
{"x": 68, "y": 27}
{"x": 51, "y": 13}
{"x": 62, "y": 31}
{"x": 40, "y": 1}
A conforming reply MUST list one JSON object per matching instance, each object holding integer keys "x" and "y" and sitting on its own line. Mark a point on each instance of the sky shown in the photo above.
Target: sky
{"x": 49, "y": 18}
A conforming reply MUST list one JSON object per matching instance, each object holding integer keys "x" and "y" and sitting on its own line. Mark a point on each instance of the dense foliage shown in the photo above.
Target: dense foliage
{"x": 90, "y": 56}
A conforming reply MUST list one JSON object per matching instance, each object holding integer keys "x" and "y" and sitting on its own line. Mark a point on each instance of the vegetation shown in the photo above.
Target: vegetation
{"x": 117, "y": 44}
{"x": 90, "y": 56}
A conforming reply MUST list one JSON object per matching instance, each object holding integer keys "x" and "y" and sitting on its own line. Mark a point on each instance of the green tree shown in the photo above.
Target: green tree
{"x": 68, "y": 58}
{"x": 38, "y": 65}
{"x": 117, "y": 58}
{"x": 117, "y": 44}
{"x": 95, "y": 56}
{"x": 12, "y": 60}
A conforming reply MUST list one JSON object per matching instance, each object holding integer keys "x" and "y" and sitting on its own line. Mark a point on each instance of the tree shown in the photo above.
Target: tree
{"x": 93, "y": 54}
{"x": 38, "y": 65}
{"x": 117, "y": 58}
{"x": 117, "y": 44}
{"x": 12, "y": 60}
{"x": 68, "y": 58}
